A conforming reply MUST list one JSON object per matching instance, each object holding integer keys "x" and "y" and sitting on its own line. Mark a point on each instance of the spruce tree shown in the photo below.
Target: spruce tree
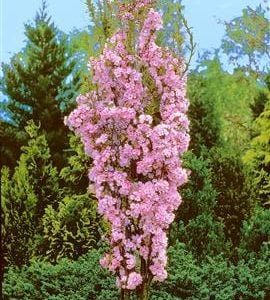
{"x": 39, "y": 83}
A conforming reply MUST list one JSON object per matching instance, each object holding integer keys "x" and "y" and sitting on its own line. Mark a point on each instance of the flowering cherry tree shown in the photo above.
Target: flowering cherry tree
{"x": 134, "y": 126}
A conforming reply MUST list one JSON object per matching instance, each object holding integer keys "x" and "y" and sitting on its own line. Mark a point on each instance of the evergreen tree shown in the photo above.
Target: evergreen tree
{"x": 231, "y": 96}
{"x": 25, "y": 195}
{"x": 74, "y": 227}
{"x": 75, "y": 173}
{"x": 234, "y": 203}
{"x": 48, "y": 214}
{"x": 39, "y": 84}
{"x": 258, "y": 156}
{"x": 11, "y": 142}
{"x": 205, "y": 124}
{"x": 196, "y": 224}
{"x": 260, "y": 101}
{"x": 215, "y": 199}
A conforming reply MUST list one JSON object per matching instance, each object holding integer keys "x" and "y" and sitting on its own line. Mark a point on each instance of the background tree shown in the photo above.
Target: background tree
{"x": 234, "y": 200}
{"x": 260, "y": 100}
{"x": 247, "y": 39}
{"x": 205, "y": 123}
{"x": 74, "y": 226}
{"x": 231, "y": 95}
{"x": 215, "y": 199}
{"x": 258, "y": 156}
{"x": 25, "y": 195}
{"x": 39, "y": 84}
{"x": 196, "y": 224}
{"x": 71, "y": 229}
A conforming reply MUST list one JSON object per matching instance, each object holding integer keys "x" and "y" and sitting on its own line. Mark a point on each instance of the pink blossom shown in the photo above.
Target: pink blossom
{"x": 134, "y": 279}
{"x": 131, "y": 261}
{"x": 137, "y": 168}
{"x": 104, "y": 261}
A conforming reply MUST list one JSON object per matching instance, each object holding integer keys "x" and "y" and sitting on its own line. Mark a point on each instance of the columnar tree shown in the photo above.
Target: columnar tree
{"x": 134, "y": 126}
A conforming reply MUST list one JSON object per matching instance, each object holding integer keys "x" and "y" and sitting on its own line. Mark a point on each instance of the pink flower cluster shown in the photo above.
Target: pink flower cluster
{"x": 136, "y": 161}
{"x": 127, "y": 11}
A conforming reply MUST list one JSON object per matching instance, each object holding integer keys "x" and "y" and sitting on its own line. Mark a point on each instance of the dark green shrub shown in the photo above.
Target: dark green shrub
{"x": 204, "y": 236}
{"x": 204, "y": 119}
{"x": 199, "y": 195}
{"x": 253, "y": 276}
{"x": 183, "y": 275}
{"x": 80, "y": 280}
{"x": 233, "y": 201}
{"x": 255, "y": 232}
{"x": 196, "y": 224}
{"x": 215, "y": 278}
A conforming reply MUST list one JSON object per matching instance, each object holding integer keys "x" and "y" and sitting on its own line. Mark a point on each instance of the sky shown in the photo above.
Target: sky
{"x": 202, "y": 15}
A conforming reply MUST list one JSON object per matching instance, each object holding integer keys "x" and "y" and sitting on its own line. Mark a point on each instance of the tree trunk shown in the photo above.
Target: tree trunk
{"x": 125, "y": 294}
{"x": 143, "y": 292}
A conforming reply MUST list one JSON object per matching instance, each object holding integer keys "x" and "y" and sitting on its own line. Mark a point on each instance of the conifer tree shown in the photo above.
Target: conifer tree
{"x": 74, "y": 227}
{"x": 258, "y": 156}
{"x": 39, "y": 83}
{"x": 25, "y": 195}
